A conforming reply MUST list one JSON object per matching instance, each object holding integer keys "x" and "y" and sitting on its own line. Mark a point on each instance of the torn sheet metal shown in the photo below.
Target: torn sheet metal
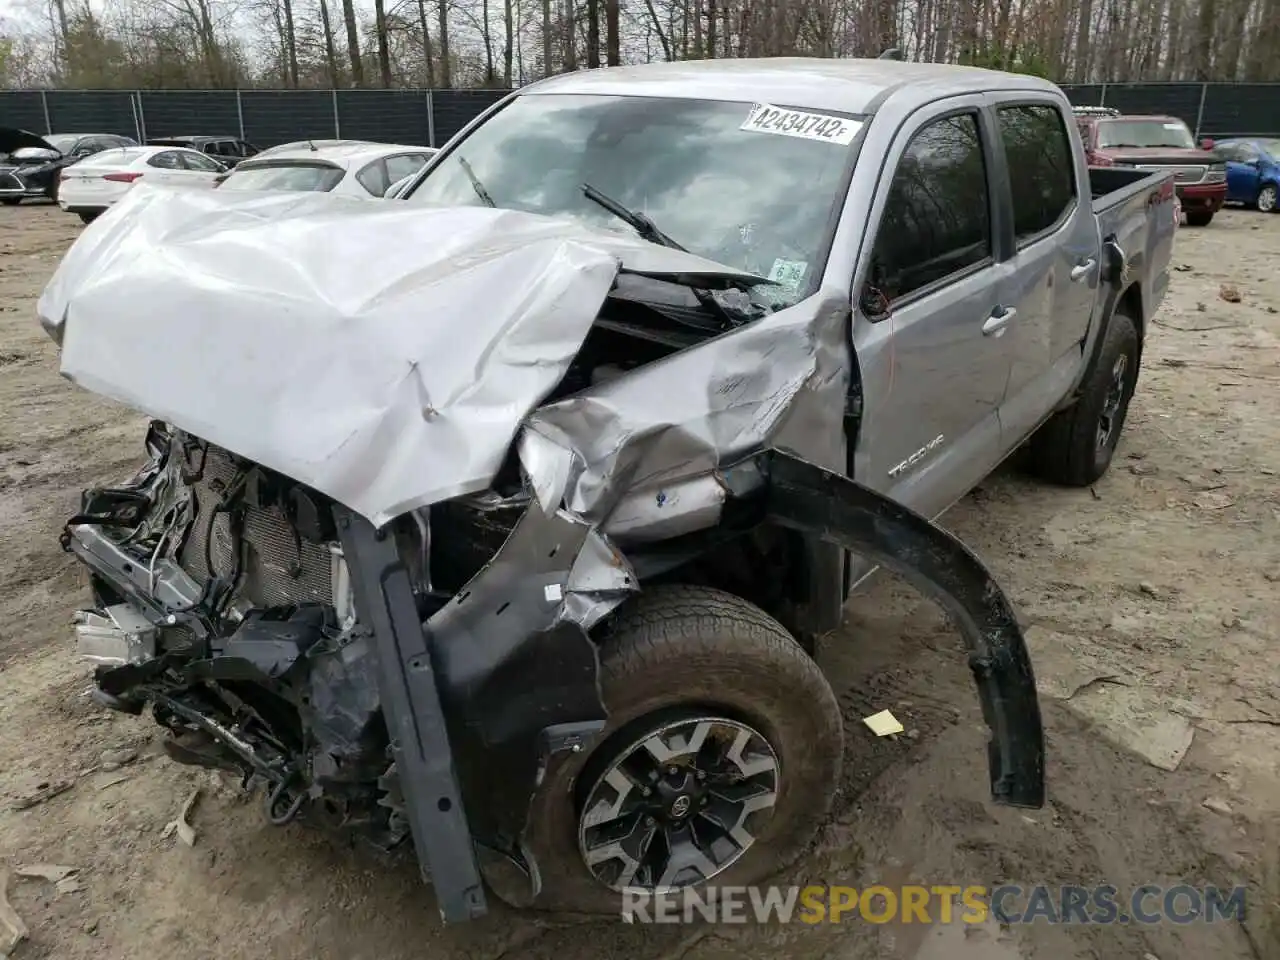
{"x": 779, "y": 382}
{"x": 516, "y": 667}
{"x": 314, "y": 334}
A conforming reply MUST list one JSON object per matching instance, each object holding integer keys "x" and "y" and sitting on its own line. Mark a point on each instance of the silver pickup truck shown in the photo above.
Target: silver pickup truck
{"x": 497, "y": 521}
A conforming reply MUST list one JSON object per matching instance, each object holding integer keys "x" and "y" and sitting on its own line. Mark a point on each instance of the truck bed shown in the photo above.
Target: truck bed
{"x": 1134, "y": 210}
{"x": 1112, "y": 186}
{"x": 1128, "y": 203}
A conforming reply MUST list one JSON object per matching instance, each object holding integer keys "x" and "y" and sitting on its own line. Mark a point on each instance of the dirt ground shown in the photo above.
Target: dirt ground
{"x": 1152, "y": 604}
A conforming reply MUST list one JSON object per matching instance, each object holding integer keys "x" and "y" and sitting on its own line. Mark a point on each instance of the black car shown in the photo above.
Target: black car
{"x": 30, "y": 164}
{"x": 228, "y": 150}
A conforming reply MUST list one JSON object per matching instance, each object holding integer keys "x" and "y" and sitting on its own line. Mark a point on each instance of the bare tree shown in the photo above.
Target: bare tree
{"x": 446, "y": 70}
{"x": 384, "y": 47}
{"x": 353, "y": 42}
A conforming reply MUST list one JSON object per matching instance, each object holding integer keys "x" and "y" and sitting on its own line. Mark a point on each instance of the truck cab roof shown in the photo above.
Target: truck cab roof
{"x": 849, "y": 86}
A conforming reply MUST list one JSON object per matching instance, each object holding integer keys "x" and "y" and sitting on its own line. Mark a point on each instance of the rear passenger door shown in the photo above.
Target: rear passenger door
{"x": 1053, "y": 281}
{"x": 165, "y": 167}
{"x": 929, "y": 330}
{"x": 199, "y": 170}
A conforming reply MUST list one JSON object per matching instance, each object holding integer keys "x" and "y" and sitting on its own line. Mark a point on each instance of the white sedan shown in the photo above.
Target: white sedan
{"x": 87, "y": 188}
{"x": 354, "y": 169}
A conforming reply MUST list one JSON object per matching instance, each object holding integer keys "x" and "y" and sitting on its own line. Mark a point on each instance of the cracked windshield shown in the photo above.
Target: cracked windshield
{"x": 755, "y": 199}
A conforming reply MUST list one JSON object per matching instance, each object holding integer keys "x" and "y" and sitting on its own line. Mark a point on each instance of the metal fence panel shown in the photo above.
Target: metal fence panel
{"x": 1241, "y": 110}
{"x": 388, "y": 116}
{"x": 414, "y": 116}
{"x": 1181, "y": 100}
{"x": 454, "y": 109}
{"x": 92, "y": 111}
{"x": 181, "y": 113}
{"x": 22, "y": 109}
{"x": 1084, "y": 94}
{"x": 278, "y": 116}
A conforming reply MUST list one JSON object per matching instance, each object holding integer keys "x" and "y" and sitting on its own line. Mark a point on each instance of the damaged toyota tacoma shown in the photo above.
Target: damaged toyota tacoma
{"x": 497, "y": 522}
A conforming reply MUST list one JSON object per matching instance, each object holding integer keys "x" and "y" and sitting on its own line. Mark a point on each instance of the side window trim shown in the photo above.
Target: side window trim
{"x": 995, "y": 221}
{"x": 1070, "y": 210}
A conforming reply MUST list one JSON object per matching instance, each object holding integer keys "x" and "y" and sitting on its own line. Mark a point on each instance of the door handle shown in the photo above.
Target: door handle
{"x": 1082, "y": 270}
{"x": 995, "y": 324}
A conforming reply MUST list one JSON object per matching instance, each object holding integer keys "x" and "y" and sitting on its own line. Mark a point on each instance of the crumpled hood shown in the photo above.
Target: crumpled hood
{"x": 11, "y": 139}
{"x": 383, "y": 353}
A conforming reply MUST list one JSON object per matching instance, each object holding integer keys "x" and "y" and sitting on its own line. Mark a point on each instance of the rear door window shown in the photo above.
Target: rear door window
{"x": 937, "y": 216}
{"x": 1041, "y": 170}
{"x": 404, "y": 165}
{"x": 373, "y": 178}
{"x": 168, "y": 160}
{"x": 196, "y": 161}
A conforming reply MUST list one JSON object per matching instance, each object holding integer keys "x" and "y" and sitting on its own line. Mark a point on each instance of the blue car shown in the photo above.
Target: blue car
{"x": 1253, "y": 172}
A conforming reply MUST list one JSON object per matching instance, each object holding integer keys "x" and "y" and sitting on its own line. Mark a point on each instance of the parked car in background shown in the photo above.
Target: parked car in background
{"x": 92, "y": 185}
{"x": 228, "y": 151}
{"x": 1159, "y": 145}
{"x": 359, "y": 169}
{"x": 33, "y": 163}
{"x": 1253, "y": 172}
{"x": 1095, "y": 112}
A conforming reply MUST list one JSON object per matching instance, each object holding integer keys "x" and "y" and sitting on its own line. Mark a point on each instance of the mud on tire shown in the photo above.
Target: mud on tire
{"x": 682, "y": 651}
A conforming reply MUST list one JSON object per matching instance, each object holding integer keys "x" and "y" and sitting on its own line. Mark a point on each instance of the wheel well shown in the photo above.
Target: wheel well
{"x": 767, "y": 566}
{"x": 1130, "y": 305}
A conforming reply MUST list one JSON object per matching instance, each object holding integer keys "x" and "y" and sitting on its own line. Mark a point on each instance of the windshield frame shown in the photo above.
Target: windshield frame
{"x": 1104, "y": 122}
{"x": 835, "y": 212}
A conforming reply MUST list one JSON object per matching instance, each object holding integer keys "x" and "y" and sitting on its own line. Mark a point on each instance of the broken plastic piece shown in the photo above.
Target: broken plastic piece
{"x": 52, "y": 872}
{"x": 46, "y": 791}
{"x": 12, "y": 929}
{"x": 182, "y": 825}
{"x": 883, "y": 724}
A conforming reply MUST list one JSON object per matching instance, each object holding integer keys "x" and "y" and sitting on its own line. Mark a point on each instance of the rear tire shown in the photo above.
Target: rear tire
{"x": 674, "y": 657}
{"x": 1267, "y": 198}
{"x": 1070, "y": 449}
{"x": 11, "y": 201}
{"x": 1199, "y": 218}
{"x": 88, "y": 216}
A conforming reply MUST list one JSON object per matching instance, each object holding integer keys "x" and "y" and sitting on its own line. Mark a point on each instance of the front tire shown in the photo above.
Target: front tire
{"x": 1074, "y": 448}
{"x": 1267, "y": 198}
{"x": 1199, "y": 218}
{"x": 722, "y": 753}
{"x": 88, "y": 216}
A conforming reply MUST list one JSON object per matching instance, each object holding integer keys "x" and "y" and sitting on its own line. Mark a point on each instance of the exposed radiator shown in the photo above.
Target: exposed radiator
{"x": 280, "y": 569}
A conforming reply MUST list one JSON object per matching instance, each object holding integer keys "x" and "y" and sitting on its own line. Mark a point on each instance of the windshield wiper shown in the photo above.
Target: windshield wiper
{"x": 634, "y": 218}
{"x": 476, "y": 185}
{"x": 648, "y": 230}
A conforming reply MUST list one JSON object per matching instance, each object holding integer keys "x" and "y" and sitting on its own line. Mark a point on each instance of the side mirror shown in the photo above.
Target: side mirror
{"x": 1206, "y": 144}
{"x": 873, "y": 303}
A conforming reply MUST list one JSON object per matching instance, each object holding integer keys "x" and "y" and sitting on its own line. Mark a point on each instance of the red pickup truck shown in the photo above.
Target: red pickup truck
{"x": 1158, "y": 144}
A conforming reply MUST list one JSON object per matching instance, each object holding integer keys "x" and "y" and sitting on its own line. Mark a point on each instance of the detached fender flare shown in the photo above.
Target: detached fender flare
{"x": 839, "y": 510}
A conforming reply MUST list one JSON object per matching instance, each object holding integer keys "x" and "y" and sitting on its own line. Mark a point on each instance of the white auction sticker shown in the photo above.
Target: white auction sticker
{"x": 796, "y": 123}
